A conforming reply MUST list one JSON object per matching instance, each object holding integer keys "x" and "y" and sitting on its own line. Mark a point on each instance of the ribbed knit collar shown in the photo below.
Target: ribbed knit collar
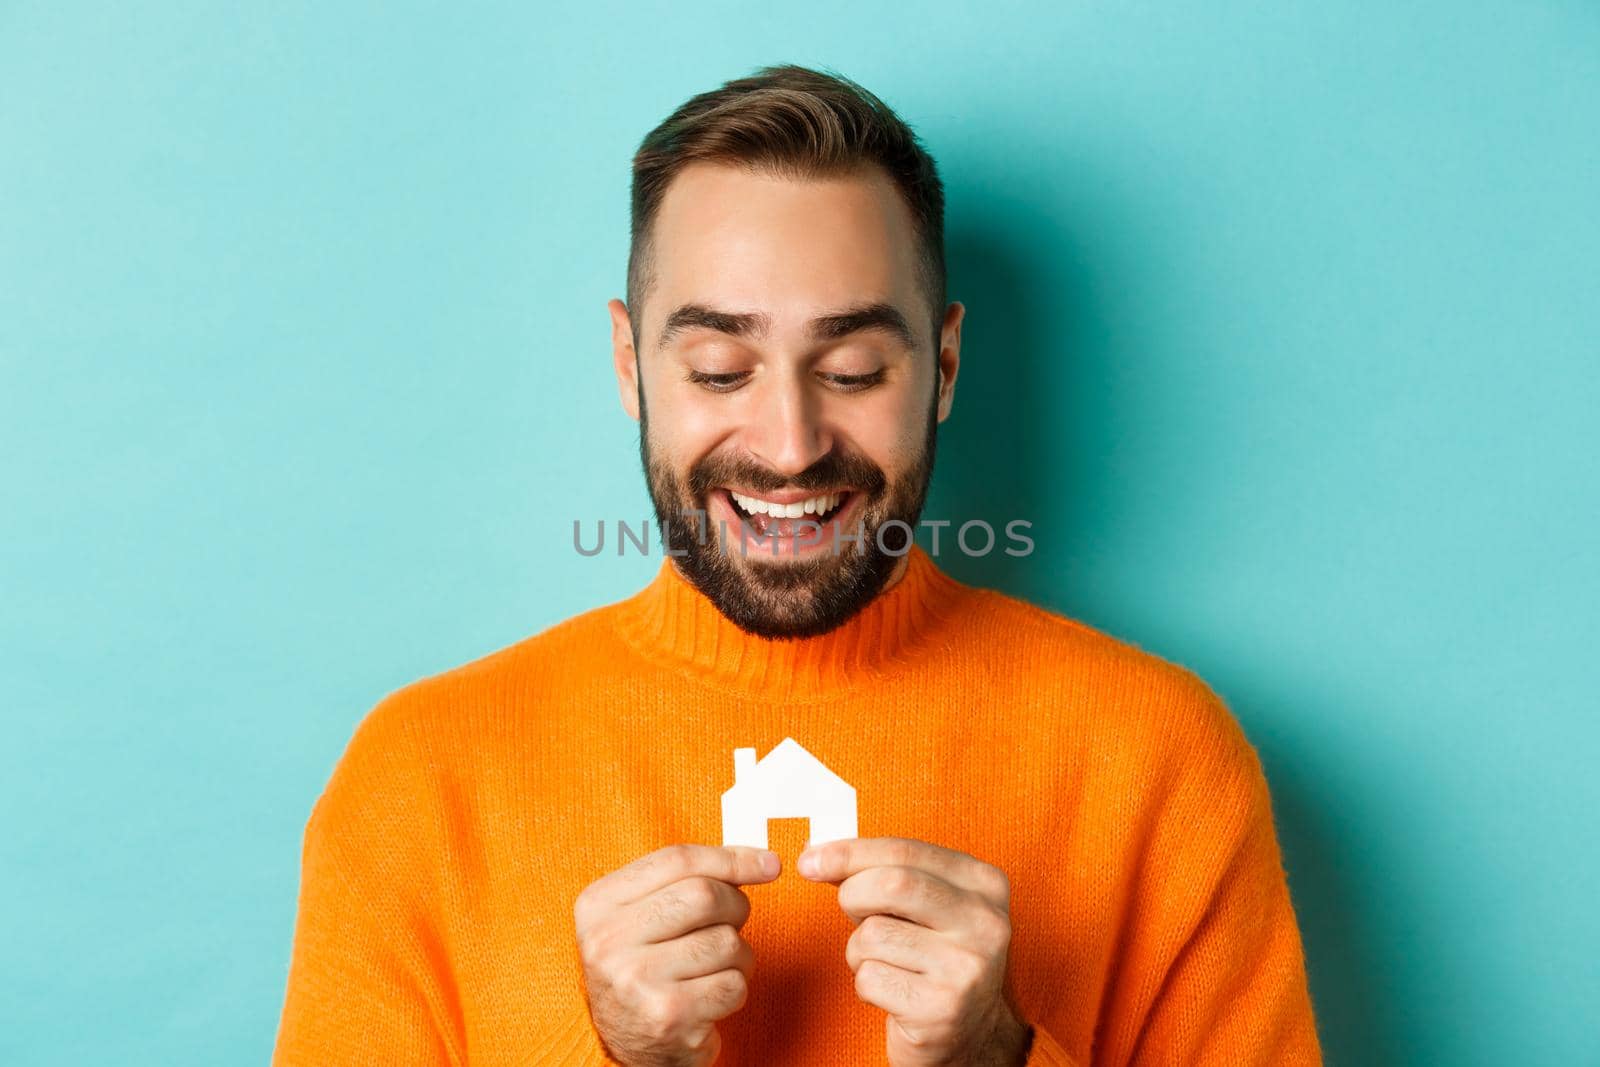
{"x": 672, "y": 622}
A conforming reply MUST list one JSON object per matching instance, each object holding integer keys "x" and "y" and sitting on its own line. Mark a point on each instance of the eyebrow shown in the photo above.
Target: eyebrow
{"x": 885, "y": 318}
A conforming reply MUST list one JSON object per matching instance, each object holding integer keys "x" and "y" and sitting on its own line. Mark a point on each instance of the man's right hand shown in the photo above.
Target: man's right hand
{"x": 662, "y": 955}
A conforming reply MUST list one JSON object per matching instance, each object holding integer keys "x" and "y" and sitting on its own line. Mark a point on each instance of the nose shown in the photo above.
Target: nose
{"x": 788, "y": 433}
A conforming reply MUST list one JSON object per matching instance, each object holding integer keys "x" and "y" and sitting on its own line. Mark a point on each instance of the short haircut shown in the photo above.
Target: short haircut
{"x": 795, "y": 122}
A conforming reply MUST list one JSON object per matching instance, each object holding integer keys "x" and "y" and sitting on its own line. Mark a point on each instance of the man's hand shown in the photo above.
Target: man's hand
{"x": 662, "y": 955}
{"x": 933, "y": 927}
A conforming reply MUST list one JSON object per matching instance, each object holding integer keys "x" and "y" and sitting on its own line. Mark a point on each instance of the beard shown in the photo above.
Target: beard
{"x": 796, "y": 597}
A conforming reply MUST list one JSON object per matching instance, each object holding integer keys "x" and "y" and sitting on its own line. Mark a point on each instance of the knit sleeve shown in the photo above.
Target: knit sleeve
{"x": 1046, "y": 1051}
{"x": 369, "y": 981}
{"x": 1235, "y": 992}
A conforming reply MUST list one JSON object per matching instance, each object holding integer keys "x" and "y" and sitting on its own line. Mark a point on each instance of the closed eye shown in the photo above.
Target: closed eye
{"x": 853, "y": 383}
{"x": 718, "y": 383}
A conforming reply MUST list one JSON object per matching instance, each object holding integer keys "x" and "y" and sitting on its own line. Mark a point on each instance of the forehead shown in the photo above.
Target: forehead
{"x": 753, "y": 240}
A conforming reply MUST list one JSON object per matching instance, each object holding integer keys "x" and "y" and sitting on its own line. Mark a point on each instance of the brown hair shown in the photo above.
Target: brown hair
{"x": 800, "y": 123}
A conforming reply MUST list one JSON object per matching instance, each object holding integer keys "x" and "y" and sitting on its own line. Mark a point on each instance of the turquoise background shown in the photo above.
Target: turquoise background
{"x": 1281, "y": 328}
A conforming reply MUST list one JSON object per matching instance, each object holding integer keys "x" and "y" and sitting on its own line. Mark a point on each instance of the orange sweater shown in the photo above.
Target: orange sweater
{"x": 1151, "y": 918}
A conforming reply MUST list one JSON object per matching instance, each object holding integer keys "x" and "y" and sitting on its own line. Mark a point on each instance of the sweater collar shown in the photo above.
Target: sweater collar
{"x": 671, "y": 621}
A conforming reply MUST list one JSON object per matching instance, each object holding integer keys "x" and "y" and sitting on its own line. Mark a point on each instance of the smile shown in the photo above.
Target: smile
{"x": 819, "y": 507}
{"x": 805, "y": 523}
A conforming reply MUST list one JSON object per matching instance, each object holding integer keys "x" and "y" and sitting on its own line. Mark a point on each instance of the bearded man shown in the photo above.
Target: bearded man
{"x": 1066, "y": 852}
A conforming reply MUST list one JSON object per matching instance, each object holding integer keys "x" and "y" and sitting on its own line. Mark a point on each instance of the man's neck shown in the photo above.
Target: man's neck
{"x": 672, "y": 620}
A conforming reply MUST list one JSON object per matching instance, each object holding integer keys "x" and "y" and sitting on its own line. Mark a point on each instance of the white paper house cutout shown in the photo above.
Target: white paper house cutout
{"x": 790, "y": 783}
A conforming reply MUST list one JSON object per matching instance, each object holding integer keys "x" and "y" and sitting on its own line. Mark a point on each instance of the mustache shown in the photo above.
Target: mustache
{"x": 830, "y": 471}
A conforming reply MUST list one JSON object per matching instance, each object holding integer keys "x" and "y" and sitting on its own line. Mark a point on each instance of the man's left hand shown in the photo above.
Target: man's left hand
{"x": 933, "y": 927}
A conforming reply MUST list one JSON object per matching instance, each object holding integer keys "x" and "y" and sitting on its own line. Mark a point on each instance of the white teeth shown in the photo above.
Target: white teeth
{"x": 817, "y": 505}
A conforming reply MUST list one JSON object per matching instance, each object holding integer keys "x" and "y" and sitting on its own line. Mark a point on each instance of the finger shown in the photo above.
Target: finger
{"x": 835, "y": 861}
{"x": 894, "y": 989}
{"x": 709, "y": 1049}
{"x": 906, "y": 945}
{"x": 686, "y": 905}
{"x": 911, "y": 894}
{"x": 700, "y": 952}
{"x": 702, "y": 1044}
{"x": 734, "y": 864}
{"x": 716, "y": 996}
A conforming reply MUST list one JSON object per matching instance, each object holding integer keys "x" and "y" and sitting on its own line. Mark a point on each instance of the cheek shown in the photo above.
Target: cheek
{"x": 699, "y": 427}
{"x": 888, "y": 429}
{"x": 685, "y": 426}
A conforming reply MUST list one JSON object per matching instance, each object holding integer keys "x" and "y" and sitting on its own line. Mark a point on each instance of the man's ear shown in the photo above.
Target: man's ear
{"x": 623, "y": 358}
{"x": 949, "y": 356}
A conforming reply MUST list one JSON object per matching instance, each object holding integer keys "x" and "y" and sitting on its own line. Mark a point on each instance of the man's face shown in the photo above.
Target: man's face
{"x": 788, "y": 388}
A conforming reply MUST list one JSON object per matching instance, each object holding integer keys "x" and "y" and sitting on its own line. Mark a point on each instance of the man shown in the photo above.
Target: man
{"x": 1067, "y": 853}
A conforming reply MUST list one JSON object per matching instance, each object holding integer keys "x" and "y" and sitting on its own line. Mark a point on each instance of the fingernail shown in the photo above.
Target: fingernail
{"x": 808, "y": 863}
{"x": 769, "y": 863}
